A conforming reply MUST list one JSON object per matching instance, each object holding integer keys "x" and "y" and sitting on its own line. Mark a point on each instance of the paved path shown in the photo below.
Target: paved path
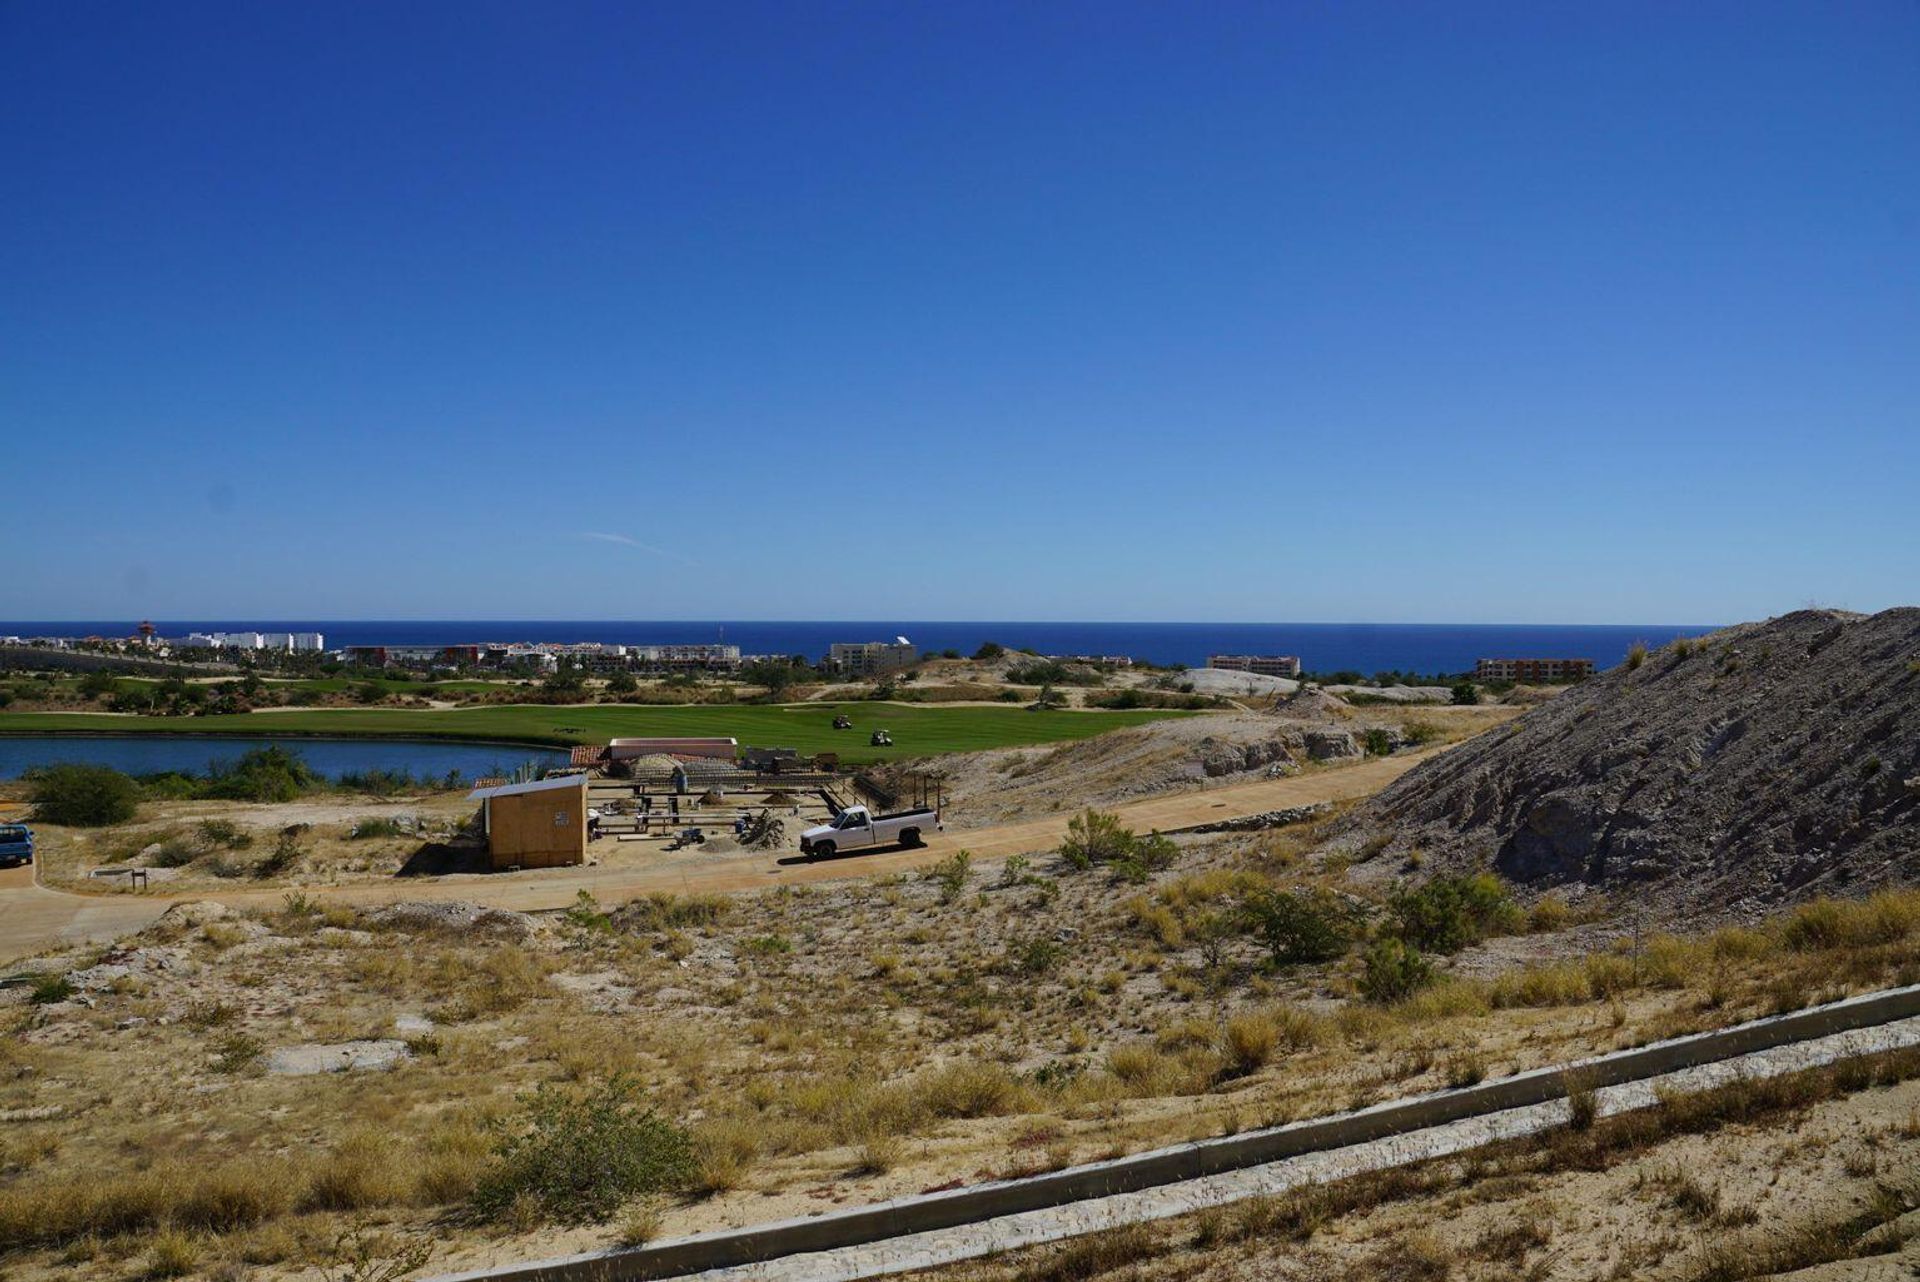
{"x": 33, "y": 917}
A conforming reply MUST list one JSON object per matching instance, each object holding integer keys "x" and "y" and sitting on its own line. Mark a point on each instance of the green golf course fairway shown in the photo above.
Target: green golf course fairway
{"x": 917, "y": 731}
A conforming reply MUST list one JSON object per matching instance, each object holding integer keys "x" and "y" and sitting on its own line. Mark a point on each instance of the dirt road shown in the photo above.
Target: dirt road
{"x": 33, "y": 918}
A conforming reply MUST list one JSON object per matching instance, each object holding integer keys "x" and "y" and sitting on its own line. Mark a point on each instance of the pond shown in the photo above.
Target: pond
{"x": 145, "y": 754}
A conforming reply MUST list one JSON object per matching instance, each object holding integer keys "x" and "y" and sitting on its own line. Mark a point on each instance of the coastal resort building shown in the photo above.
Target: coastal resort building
{"x": 871, "y": 658}
{"x": 535, "y": 825}
{"x": 1271, "y": 665}
{"x": 1533, "y": 671}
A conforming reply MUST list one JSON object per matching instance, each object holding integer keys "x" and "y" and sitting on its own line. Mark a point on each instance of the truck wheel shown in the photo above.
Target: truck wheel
{"x": 822, "y": 850}
{"x": 910, "y": 838}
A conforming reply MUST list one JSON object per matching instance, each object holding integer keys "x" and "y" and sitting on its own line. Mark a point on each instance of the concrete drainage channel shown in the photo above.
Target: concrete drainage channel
{"x": 939, "y": 1228}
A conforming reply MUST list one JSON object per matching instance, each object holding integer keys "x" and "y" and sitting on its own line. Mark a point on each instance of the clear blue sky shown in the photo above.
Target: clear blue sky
{"x": 1528, "y": 312}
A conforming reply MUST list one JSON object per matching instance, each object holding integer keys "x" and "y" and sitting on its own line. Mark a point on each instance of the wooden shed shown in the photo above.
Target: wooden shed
{"x": 536, "y": 825}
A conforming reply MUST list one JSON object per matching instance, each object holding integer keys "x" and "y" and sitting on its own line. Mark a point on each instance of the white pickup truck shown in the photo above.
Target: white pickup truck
{"x": 856, "y": 827}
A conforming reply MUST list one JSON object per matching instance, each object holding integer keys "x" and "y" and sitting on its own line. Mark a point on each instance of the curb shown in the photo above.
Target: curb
{"x": 927, "y": 1212}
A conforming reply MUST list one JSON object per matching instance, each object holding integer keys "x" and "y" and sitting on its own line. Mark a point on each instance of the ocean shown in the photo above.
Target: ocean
{"x": 1322, "y": 647}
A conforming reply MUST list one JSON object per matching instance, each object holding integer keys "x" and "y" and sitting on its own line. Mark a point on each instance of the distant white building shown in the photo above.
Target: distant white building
{"x": 870, "y": 658}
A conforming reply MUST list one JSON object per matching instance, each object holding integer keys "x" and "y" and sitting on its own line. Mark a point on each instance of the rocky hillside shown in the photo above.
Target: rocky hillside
{"x": 1765, "y": 762}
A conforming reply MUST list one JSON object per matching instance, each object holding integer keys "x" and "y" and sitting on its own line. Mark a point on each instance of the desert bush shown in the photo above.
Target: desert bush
{"x": 49, "y": 989}
{"x": 173, "y": 1253}
{"x": 1094, "y": 1256}
{"x": 577, "y": 1158}
{"x": 1095, "y": 837}
{"x": 376, "y": 826}
{"x": 1394, "y": 971}
{"x": 1448, "y": 913}
{"x": 286, "y": 852}
{"x": 1144, "y": 857}
{"x": 363, "y": 1255}
{"x": 1636, "y": 655}
{"x": 224, "y": 833}
{"x": 952, "y": 874}
{"x": 724, "y": 1152}
{"x": 970, "y": 1090}
{"x": 664, "y": 911}
{"x": 1466, "y": 694}
{"x": 83, "y": 796}
{"x": 365, "y": 1170}
{"x": 1247, "y": 1043}
{"x": 1311, "y": 926}
{"x": 237, "y": 1053}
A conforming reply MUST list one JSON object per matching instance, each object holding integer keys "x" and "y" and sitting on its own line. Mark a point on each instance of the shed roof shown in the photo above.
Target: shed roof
{"x": 538, "y": 785}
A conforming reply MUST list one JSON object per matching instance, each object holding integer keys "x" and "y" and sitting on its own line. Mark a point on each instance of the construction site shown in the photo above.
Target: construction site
{"x": 636, "y": 795}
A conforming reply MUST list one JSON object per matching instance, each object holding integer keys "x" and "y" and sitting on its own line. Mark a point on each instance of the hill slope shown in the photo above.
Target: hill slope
{"x": 1766, "y": 762}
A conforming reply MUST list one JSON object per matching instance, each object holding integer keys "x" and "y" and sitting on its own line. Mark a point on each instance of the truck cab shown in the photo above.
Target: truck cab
{"x": 16, "y": 845}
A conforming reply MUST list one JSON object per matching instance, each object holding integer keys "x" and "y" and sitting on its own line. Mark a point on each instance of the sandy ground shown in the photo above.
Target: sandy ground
{"x": 33, "y": 917}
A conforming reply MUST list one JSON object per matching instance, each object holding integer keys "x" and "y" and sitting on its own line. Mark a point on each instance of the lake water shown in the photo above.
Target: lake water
{"x": 190, "y": 754}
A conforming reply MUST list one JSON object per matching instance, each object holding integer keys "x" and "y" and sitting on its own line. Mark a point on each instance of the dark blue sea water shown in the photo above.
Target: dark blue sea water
{"x": 1322, "y": 647}
{"x": 145, "y": 754}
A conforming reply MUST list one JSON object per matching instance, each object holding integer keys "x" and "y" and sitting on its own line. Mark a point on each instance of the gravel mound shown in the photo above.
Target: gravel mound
{"x": 1225, "y": 681}
{"x": 1764, "y": 763}
{"x": 453, "y": 916}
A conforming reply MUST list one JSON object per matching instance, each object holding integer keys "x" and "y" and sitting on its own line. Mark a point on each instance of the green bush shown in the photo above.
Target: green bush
{"x": 989, "y": 650}
{"x": 952, "y": 874}
{"x": 1448, "y": 913}
{"x": 1466, "y": 694}
{"x": 1378, "y": 742}
{"x": 1394, "y": 972}
{"x": 83, "y": 796}
{"x": 264, "y": 774}
{"x": 1095, "y": 837}
{"x": 578, "y": 1158}
{"x": 224, "y": 832}
{"x": 1098, "y": 837}
{"x": 48, "y": 989}
{"x": 1311, "y": 927}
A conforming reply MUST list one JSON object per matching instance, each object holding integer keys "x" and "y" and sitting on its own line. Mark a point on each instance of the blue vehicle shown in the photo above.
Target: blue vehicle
{"x": 16, "y": 845}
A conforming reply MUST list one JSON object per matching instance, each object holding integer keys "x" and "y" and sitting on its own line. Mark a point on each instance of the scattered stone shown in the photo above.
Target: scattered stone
{"x": 342, "y": 1057}
{"x": 1326, "y": 745}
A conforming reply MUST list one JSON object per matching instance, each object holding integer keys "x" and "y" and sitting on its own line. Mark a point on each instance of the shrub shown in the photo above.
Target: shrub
{"x": 989, "y": 650}
{"x": 1378, "y": 742}
{"x": 1095, "y": 837}
{"x": 1247, "y": 1043}
{"x": 1394, "y": 972}
{"x": 1098, "y": 837}
{"x": 1296, "y": 928}
{"x": 224, "y": 832}
{"x": 1466, "y": 694}
{"x": 378, "y": 826}
{"x": 580, "y": 1158}
{"x": 952, "y": 873}
{"x": 1448, "y": 913}
{"x": 237, "y": 1053}
{"x": 84, "y": 796}
{"x": 1636, "y": 655}
{"x": 286, "y": 853}
{"x": 264, "y": 774}
{"x": 48, "y": 989}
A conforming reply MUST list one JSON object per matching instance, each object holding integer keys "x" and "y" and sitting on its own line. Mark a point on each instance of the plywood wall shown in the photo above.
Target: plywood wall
{"x": 544, "y": 829}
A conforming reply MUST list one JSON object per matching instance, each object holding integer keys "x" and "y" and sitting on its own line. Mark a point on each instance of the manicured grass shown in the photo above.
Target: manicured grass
{"x": 917, "y": 730}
